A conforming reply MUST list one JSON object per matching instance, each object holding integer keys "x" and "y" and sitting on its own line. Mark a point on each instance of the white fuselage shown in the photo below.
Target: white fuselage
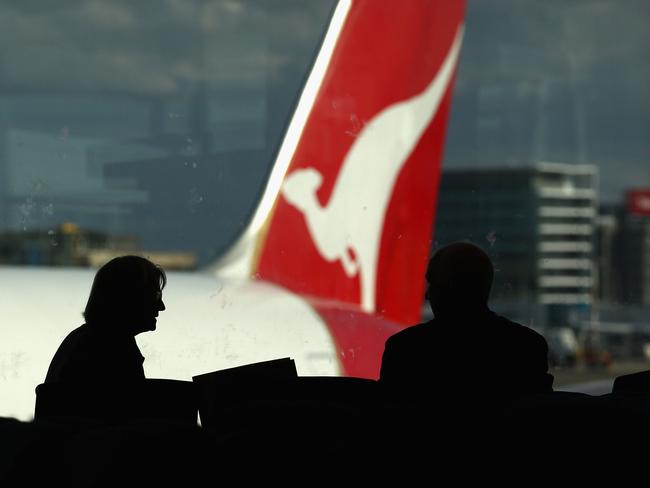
{"x": 210, "y": 324}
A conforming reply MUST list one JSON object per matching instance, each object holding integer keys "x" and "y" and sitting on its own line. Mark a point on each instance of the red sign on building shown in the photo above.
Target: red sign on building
{"x": 638, "y": 201}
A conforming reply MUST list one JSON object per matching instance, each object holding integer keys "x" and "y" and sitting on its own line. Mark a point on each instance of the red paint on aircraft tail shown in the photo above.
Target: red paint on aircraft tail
{"x": 387, "y": 52}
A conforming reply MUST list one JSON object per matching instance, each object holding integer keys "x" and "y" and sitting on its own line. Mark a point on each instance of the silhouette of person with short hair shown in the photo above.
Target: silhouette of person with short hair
{"x": 466, "y": 348}
{"x": 125, "y": 299}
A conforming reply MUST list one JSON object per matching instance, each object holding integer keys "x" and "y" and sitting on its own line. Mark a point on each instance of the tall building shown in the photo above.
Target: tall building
{"x": 630, "y": 258}
{"x": 637, "y": 251}
{"x": 607, "y": 242}
{"x": 537, "y": 223}
{"x": 624, "y": 273}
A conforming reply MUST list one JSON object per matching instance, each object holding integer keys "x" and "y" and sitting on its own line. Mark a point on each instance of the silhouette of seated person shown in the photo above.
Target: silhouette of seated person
{"x": 125, "y": 299}
{"x": 466, "y": 349}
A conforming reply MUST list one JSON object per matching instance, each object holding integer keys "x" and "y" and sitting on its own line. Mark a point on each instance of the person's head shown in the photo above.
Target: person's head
{"x": 127, "y": 292}
{"x": 459, "y": 278}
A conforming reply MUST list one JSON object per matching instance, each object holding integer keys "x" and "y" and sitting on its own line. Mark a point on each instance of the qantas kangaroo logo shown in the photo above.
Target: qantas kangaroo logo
{"x": 348, "y": 228}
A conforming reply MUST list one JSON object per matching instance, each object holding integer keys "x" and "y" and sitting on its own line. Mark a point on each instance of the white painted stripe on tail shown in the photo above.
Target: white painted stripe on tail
{"x": 353, "y": 218}
{"x": 238, "y": 262}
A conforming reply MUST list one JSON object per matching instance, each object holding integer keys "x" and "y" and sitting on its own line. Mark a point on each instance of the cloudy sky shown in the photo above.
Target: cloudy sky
{"x": 148, "y": 46}
{"x": 539, "y": 80}
{"x": 555, "y": 80}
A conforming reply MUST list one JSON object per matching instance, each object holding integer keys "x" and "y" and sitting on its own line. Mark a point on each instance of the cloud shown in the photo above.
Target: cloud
{"x": 147, "y": 47}
{"x": 555, "y": 79}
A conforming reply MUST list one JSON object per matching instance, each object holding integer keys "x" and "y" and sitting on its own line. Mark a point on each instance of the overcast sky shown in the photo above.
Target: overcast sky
{"x": 539, "y": 80}
{"x": 555, "y": 80}
{"x": 149, "y": 47}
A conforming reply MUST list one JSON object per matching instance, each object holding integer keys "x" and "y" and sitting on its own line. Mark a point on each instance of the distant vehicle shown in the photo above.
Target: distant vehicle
{"x": 288, "y": 152}
{"x": 563, "y": 346}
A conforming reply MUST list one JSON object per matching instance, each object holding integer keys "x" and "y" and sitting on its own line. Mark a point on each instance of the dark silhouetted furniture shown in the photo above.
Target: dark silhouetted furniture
{"x": 268, "y": 400}
{"x": 150, "y": 399}
{"x": 230, "y": 389}
{"x": 632, "y": 383}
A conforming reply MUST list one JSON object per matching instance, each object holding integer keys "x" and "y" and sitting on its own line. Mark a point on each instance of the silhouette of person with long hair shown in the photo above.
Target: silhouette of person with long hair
{"x": 125, "y": 299}
{"x": 466, "y": 348}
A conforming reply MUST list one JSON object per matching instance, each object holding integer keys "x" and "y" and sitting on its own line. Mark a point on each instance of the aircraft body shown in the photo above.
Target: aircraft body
{"x": 330, "y": 263}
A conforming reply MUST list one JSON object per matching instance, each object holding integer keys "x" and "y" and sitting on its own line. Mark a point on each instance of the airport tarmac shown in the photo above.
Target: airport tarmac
{"x": 594, "y": 380}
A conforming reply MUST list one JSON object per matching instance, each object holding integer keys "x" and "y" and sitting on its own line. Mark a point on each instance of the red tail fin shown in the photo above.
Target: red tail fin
{"x": 354, "y": 216}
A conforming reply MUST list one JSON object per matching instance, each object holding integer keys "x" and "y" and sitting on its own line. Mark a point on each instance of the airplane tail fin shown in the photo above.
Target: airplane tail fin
{"x": 349, "y": 209}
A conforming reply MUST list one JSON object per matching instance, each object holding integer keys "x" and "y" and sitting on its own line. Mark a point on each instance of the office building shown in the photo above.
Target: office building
{"x": 626, "y": 269}
{"x": 537, "y": 223}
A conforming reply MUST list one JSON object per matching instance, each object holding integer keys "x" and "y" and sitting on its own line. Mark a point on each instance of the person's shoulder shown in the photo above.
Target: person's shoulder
{"x": 525, "y": 332}
{"x": 84, "y": 336}
{"x": 79, "y": 333}
{"x": 410, "y": 333}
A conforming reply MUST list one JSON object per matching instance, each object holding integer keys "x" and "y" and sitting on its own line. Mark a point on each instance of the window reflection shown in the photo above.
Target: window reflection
{"x": 147, "y": 126}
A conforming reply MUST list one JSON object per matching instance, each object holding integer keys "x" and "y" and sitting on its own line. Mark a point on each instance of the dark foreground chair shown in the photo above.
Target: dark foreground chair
{"x": 151, "y": 399}
{"x": 632, "y": 383}
{"x": 317, "y": 422}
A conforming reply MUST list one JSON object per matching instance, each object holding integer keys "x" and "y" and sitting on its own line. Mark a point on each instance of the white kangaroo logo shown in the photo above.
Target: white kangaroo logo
{"x": 349, "y": 227}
